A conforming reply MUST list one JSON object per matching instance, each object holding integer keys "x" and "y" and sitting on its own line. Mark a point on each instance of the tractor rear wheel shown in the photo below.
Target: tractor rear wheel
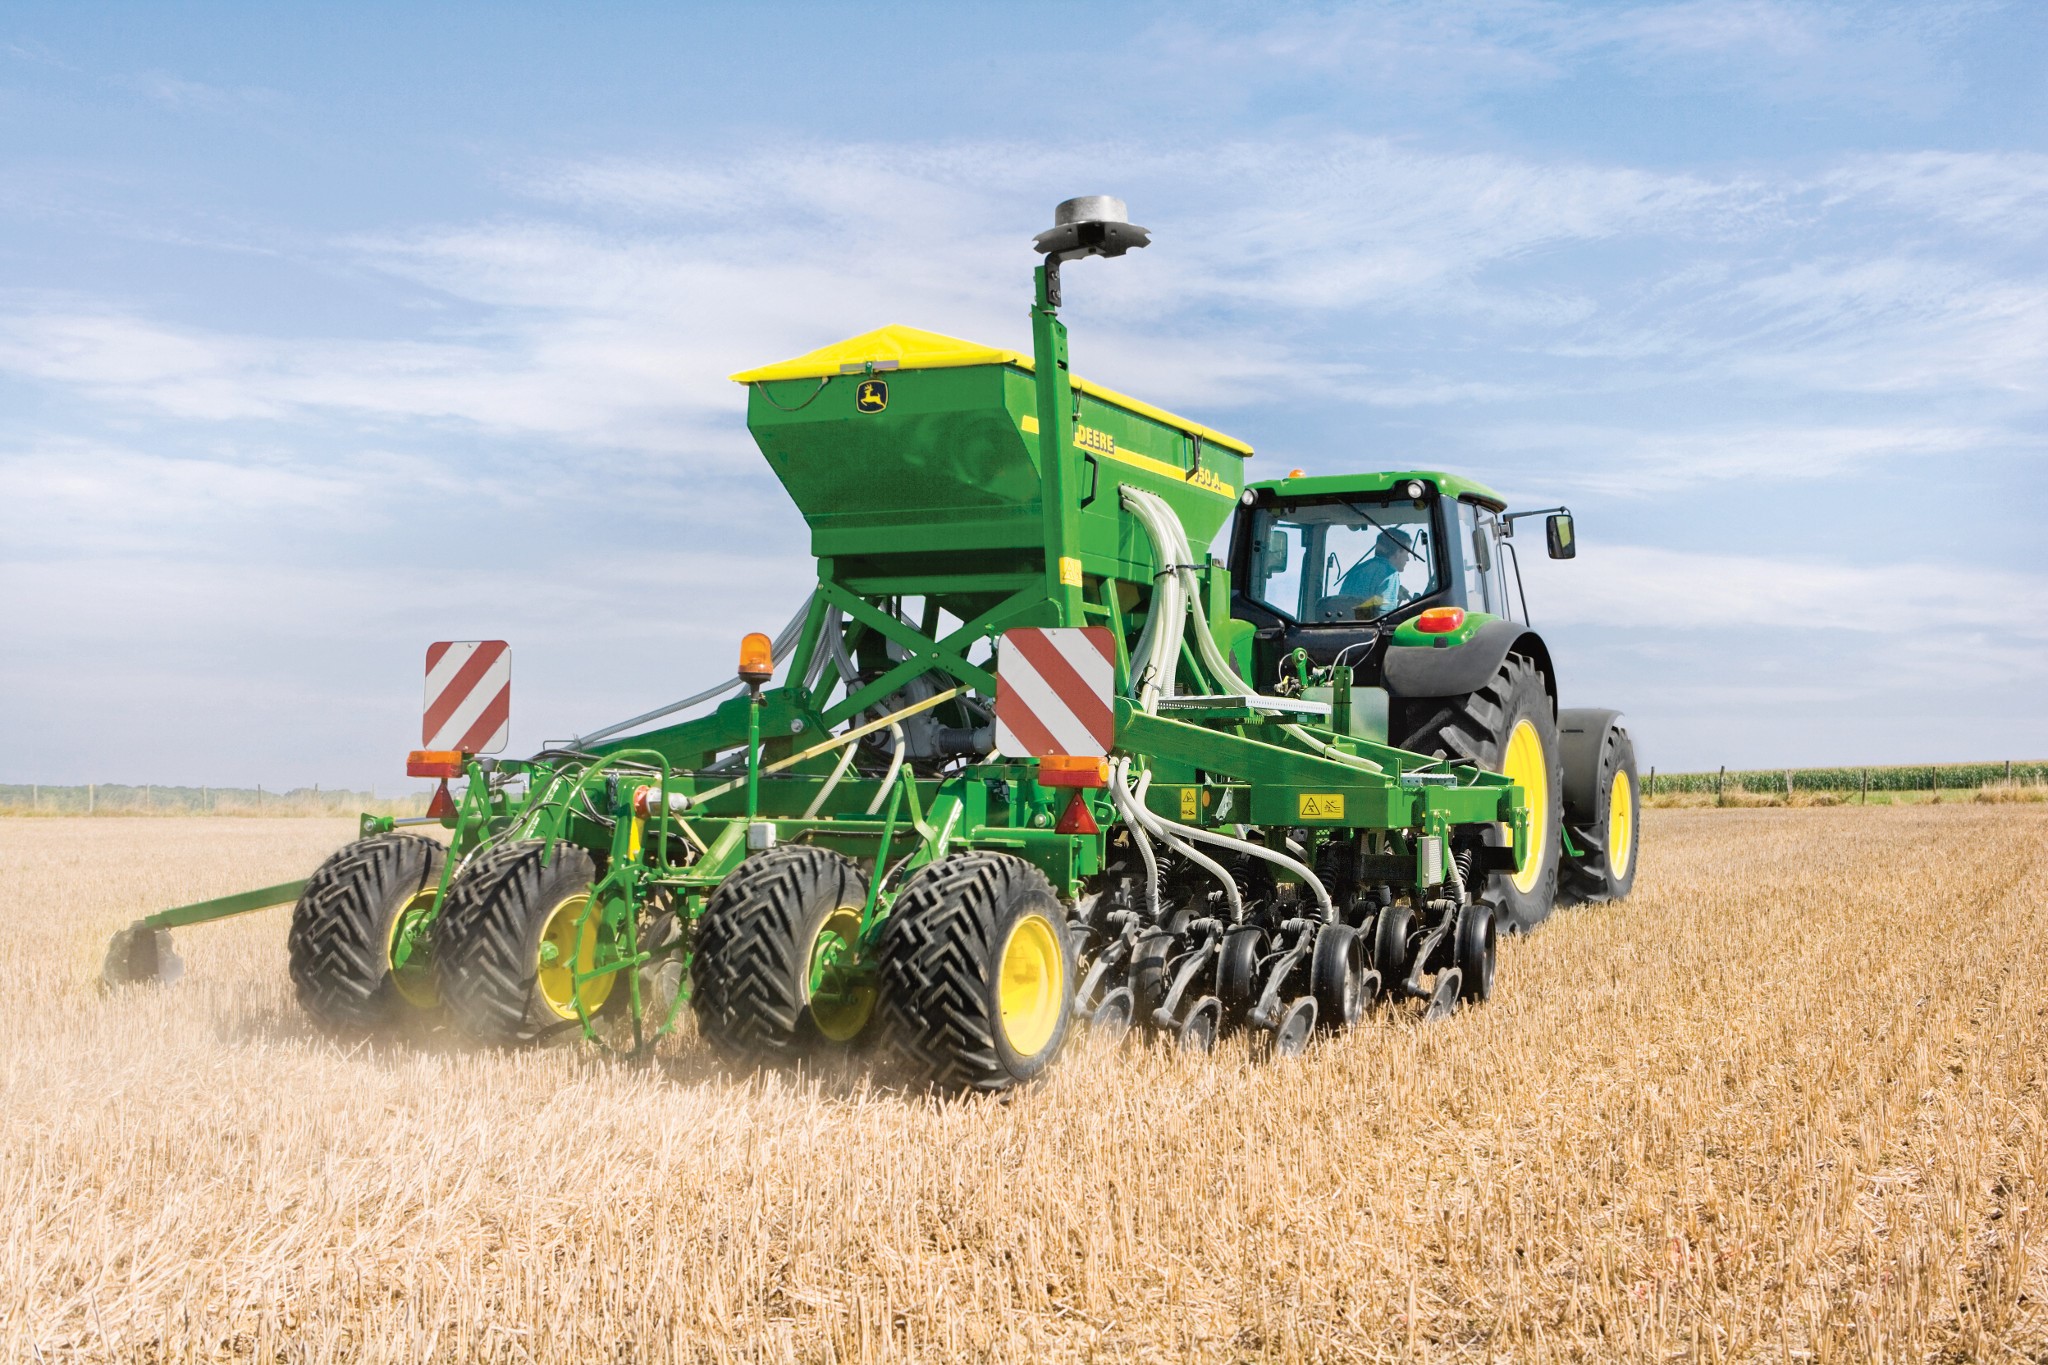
{"x": 977, "y": 979}
{"x": 774, "y": 949}
{"x": 1606, "y": 871}
{"x": 359, "y": 956}
{"x": 517, "y": 929}
{"x": 1509, "y": 726}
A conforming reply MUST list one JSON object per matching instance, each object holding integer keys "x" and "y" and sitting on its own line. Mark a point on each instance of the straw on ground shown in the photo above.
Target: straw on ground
{"x": 1787, "y": 1103}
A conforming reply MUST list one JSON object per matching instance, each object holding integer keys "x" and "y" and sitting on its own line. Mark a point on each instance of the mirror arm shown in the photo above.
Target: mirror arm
{"x": 1507, "y": 519}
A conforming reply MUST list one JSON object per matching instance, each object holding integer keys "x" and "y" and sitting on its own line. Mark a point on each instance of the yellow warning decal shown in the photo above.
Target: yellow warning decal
{"x": 1322, "y": 805}
{"x": 1070, "y": 571}
{"x": 1190, "y": 804}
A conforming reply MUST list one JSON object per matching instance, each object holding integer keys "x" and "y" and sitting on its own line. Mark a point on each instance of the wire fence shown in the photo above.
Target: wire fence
{"x": 113, "y": 798}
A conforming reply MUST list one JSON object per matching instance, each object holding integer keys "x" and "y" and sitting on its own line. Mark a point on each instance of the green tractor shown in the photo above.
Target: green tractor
{"x": 1411, "y": 581}
{"x": 1023, "y": 759}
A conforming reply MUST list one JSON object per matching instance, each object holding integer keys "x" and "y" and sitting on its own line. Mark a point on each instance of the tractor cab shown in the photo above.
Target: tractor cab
{"x": 1335, "y": 565}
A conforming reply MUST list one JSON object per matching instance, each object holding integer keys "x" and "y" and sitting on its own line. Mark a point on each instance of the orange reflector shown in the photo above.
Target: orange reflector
{"x": 443, "y": 804}
{"x": 1072, "y": 770}
{"x": 442, "y": 763}
{"x": 1077, "y": 819}
{"x": 757, "y": 658}
{"x": 1440, "y": 620}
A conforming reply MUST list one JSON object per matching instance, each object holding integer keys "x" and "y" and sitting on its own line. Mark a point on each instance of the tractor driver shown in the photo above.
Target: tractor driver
{"x": 1375, "y": 581}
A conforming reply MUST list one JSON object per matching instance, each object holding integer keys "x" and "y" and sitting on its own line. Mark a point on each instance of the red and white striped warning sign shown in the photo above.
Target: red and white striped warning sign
{"x": 1053, "y": 692}
{"x": 469, "y": 696}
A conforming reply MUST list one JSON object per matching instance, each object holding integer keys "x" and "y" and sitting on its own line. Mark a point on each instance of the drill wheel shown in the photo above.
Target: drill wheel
{"x": 774, "y": 951}
{"x": 359, "y": 957}
{"x": 1198, "y": 1031}
{"x": 1337, "y": 975}
{"x": 517, "y": 930}
{"x": 977, "y": 977}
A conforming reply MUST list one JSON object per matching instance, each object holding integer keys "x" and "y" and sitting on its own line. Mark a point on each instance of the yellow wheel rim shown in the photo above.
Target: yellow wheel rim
{"x": 839, "y": 1010}
{"x": 1031, "y": 985}
{"x": 1529, "y": 767}
{"x": 1621, "y": 825}
{"x": 563, "y": 953}
{"x": 412, "y": 969}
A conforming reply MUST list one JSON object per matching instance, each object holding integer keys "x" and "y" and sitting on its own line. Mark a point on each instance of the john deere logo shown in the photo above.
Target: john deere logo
{"x": 872, "y": 395}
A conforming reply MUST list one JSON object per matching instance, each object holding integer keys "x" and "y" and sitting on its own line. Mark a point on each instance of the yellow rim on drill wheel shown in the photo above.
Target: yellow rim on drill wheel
{"x": 555, "y": 972}
{"x": 838, "y": 1017}
{"x": 412, "y": 971}
{"x": 1529, "y": 767}
{"x": 1031, "y": 985}
{"x": 1621, "y": 825}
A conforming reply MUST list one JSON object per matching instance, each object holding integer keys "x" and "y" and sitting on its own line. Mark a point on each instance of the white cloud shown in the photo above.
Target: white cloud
{"x": 1645, "y": 586}
{"x": 1636, "y": 463}
{"x": 2004, "y": 192}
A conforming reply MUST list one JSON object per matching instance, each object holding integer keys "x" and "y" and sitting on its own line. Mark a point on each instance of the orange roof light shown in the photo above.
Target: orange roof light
{"x": 442, "y": 763}
{"x": 1440, "y": 620}
{"x": 1297, "y": 473}
{"x": 757, "y": 658}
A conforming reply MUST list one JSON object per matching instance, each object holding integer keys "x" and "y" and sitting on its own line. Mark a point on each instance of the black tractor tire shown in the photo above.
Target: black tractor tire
{"x": 1612, "y": 830}
{"x": 487, "y": 941}
{"x": 960, "y": 925}
{"x": 343, "y": 926}
{"x": 754, "y": 943}
{"x": 1479, "y": 728}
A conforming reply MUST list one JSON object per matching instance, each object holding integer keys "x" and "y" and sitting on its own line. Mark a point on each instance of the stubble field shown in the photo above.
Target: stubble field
{"x": 1790, "y": 1102}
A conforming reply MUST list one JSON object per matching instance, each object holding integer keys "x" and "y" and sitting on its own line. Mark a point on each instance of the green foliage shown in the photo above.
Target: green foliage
{"x": 1906, "y": 778}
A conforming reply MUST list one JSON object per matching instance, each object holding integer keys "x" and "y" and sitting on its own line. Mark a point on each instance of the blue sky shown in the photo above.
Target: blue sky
{"x": 327, "y": 331}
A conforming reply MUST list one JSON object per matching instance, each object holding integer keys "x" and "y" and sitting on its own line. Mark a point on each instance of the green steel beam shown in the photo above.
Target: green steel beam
{"x": 241, "y": 903}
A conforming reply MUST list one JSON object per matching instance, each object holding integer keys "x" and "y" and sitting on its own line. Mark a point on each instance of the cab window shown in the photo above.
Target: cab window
{"x": 1343, "y": 561}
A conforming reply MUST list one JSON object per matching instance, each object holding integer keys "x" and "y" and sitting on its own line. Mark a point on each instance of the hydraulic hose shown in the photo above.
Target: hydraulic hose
{"x": 895, "y": 766}
{"x": 1133, "y": 807}
{"x": 1170, "y": 546}
{"x": 784, "y": 641}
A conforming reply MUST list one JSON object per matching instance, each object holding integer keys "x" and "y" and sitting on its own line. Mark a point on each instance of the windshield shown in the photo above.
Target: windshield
{"x": 1342, "y": 561}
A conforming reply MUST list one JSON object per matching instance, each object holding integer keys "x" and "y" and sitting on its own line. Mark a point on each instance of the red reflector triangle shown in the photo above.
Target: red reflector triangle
{"x": 1078, "y": 819}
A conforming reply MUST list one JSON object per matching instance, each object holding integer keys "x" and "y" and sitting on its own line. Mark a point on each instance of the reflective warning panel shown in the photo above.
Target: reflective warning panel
{"x": 469, "y": 696}
{"x": 1054, "y": 692}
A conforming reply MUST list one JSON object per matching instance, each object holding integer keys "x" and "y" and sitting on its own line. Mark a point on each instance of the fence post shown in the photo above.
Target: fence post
{"x": 1719, "y": 779}
{"x": 91, "y": 795}
{"x": 1788, "y": 786}
{"x": 2008, "y": 770}
{"x": 1863, "y": 787}
{"x": 1653, "y": 779}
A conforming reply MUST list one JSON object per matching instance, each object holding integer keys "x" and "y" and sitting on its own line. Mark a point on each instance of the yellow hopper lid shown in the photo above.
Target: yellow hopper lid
{"x": 913, "y": 348}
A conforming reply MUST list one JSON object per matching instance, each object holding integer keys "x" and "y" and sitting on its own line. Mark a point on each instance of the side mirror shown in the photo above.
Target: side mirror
{"x": 1558, "y": 537}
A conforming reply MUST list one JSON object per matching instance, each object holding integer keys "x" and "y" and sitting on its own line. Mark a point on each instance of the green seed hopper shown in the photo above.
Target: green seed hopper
{"x": 866, "y": 849}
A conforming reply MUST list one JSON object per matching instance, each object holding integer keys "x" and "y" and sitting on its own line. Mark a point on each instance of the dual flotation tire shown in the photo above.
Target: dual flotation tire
{"x": 358, "y": 960}
{"x": 977, "y": 973}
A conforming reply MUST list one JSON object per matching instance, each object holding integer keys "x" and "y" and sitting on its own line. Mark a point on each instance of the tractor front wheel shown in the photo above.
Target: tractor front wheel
{"x": 775, "y": 955}
{"x": 359, "y": 948}
{"x": 977, "y": 979}
{"x": 516, "y": 932}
